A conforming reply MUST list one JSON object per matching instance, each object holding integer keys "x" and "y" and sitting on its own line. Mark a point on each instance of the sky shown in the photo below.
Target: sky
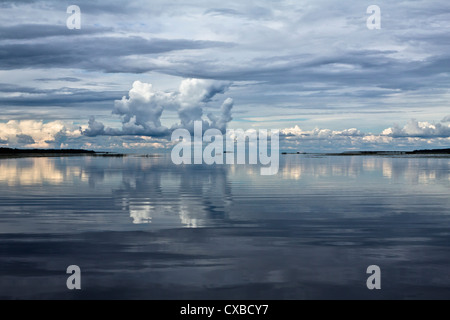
{"x": 137, "y": 70}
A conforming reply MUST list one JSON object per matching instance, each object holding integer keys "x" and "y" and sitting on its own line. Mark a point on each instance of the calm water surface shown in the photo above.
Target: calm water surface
{"x": 142, "y": 228}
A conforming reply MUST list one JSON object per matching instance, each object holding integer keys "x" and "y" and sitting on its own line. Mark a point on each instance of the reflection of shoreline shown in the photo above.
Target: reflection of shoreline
{"x": 8, "y": 153}
{"x": 431, "y": 153}
{"x": 416, "y": 169}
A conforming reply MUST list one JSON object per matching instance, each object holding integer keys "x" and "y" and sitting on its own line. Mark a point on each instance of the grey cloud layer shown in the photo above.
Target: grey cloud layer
{"x": 108, "y": 54}
{"x": 34, "y": 31}
{"x": 64, "y": 96}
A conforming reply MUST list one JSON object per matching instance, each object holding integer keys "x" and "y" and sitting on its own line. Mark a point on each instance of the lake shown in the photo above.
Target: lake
{"x": 143, "y": 228}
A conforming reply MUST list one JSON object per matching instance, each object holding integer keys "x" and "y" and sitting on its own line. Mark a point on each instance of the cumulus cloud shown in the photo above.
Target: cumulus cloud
{"x": 225, "y": 115}
{"x": 193, "y": 96}
{"x": 320, "y": 133}
{"x": 36, "y": 134}
{"x": 446, "y": 119}
{"x": 141, "y": 111}
{"x": 193, "y": 91}
{"x": 413, "y": 129}
{"x": 95, "y": 128}
{"x": 58, "y": 134}
{"x": 414, "y": 135}
{"x": 416, "y": 129}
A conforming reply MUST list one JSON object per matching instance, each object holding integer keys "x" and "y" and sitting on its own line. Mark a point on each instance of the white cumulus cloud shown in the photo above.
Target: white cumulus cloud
{"x": 141, "y": 111}
{"x": 36, "y": 134}
{"x": 417, "y": 129}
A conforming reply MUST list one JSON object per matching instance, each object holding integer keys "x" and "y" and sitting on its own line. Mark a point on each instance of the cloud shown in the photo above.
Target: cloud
{"x": 193, "y": 91}
{"x": 15, "y": 95}
{"x": 107, "y": 53}
{"x": 24, "y": 139}
{"x": 446, "y": 119}
{"x": 94, "y": 128}
{"x": 221, "y": 11}
{"x": 413, "y": 129}
{"x": 193, "y": 95}
{"x": 225, "y": 117}
{"x": 320, "y": 133}
{"x": 141, "y": 111}
{"x": 36, "y": 134}
{"x": 414, "y": 135}
{"x": 416, "y": 129}
{"x": 67, "y": 79}
{"x": 314, "y": 61}
{"x": 33, "y": 31}
{"x": 58, "y": 134}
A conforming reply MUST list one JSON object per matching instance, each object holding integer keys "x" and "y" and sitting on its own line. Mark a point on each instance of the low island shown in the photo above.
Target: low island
{"x": 384, "y": 153}
{"x": 22, "y": 153}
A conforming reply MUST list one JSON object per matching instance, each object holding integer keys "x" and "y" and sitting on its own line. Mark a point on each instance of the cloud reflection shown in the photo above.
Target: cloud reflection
{"x": 414, "y": 169}
{"x": 308, "y": 232}
{"x": 184, "y": 196}
{"x": 152, "y": 191}
{"x": 32, "y": 171}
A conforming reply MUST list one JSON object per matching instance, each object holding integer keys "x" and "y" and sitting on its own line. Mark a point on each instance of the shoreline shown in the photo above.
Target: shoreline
{"x": 9, "y": 153}
{"x": 429, "y": 152}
